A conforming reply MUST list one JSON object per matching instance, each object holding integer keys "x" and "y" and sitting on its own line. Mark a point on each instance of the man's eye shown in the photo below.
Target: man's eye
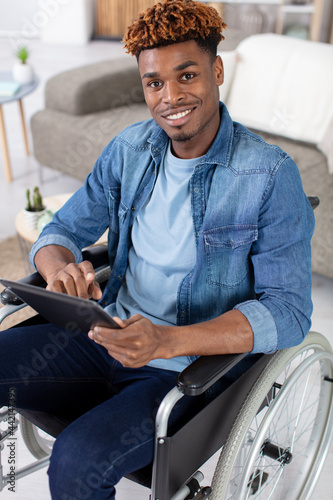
{"x": 187, "y": 76}
{"x": 154, "y": 85}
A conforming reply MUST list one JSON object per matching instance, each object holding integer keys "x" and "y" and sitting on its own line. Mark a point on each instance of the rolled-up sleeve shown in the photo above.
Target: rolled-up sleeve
{"x": 265, "y": 337}
{"x": 55, "y": 239}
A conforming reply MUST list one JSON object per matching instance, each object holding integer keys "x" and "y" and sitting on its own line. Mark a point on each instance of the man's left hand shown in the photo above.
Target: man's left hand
{"x": 134, "y": 344}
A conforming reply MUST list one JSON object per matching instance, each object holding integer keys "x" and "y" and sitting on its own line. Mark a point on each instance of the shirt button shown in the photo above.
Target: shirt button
{"x": 133, "y": 209}
{"x": 120, "y": 277}
{"x": 196, "y": 190}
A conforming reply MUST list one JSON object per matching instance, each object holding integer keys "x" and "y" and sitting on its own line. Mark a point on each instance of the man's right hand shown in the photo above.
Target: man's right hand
{"x": 57, "y": 266}
{"x": 78, "y": 280}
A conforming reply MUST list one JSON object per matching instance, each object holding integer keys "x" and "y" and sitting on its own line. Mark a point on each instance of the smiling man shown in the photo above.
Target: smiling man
{"x": 181, "y": 87}
{"x": 209, "y": 242}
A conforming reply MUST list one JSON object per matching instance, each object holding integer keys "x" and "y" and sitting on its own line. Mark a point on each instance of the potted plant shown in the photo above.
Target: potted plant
{"x": 23, "y": 72}
{"x": 34, "y": 209}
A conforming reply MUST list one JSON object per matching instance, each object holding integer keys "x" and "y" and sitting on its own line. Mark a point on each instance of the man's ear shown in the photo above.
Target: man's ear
{"x": 219, "y": 70}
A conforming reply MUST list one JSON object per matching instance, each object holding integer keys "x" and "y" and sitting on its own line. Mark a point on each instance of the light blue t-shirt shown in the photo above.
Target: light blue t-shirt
{"x": 162, "y": 253}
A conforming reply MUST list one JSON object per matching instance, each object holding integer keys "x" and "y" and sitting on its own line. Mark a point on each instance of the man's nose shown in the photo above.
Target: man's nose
{"x": 173, "y": 93}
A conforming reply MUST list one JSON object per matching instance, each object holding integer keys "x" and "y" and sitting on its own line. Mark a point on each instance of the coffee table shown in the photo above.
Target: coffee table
{"x": 26, "y": 88}
{"x": 27, "y": 236}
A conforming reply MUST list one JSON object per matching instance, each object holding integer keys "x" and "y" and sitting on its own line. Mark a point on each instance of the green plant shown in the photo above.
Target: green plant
{"x": 22, "y": 54}
{"x": 37, "y": 201}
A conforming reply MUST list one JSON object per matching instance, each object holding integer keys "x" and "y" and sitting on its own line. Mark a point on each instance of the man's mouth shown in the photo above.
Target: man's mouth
{"x": 177, "y": 116}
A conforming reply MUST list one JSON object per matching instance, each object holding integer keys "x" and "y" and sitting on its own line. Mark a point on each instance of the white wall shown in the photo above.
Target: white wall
{"x": 54, "y": 21}
{"x": 72, "y": 22}
{"x": 15, "y": 16}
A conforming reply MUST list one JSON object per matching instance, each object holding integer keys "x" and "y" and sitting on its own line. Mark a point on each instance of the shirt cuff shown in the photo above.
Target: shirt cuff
{"x": 55, "y": 239}
{"x": 264, "y": 329}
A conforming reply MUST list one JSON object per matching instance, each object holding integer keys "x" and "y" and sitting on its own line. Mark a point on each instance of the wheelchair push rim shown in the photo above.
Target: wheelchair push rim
{"x": 38, "y": 442}
{"x": 279, "y": 451}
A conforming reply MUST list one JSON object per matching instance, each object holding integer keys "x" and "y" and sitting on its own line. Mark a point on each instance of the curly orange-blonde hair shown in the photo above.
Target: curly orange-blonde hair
{"x": 175, "y": 21}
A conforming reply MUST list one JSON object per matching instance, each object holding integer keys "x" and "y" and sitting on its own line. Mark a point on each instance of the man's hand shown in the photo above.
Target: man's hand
{"x": 76, "y": 279}
{"x": 135, "y": 344}
{"x": 57, "y": 266}
{"x": 139, "y": 341}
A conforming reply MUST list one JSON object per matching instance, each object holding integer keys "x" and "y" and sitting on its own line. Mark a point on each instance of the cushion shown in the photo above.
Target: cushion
{"x": 284, "y": 86}
{"x": 95, "y": 87}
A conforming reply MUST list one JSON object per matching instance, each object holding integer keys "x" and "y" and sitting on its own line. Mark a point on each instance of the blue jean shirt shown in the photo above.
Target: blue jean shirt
{"x": 252, "y": 221}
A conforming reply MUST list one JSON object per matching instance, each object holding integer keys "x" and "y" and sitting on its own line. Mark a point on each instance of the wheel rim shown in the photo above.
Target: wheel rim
{"x": 44, "y": 440}
{"x": 298, "y": 421}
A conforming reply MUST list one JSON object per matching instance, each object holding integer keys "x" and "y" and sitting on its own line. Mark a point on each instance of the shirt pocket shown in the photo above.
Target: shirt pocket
{"x": 228, "y": 253}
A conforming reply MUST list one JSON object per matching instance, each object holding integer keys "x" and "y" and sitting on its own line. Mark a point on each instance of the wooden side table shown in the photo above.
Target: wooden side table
{"x": 27, "y": 237}
{"x": 25, "y": 89}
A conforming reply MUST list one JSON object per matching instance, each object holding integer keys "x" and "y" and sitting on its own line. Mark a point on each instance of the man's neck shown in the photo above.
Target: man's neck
{"x": 194, "y": 148}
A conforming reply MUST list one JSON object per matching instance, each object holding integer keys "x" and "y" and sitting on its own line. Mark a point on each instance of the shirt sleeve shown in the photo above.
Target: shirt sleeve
{"x": 55, "y": 239}
{"x": 281, "y": 258}
{"x": 262, "y": 324}
{"x": 81, "y": 221}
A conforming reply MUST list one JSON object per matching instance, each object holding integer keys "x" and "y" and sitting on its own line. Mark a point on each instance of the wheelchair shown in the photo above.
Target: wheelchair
{"x": 272, "y": 426}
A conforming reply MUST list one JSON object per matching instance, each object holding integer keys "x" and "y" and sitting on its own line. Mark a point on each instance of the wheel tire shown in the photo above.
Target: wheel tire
{"x": 244, "y": 470}
{"x": 38, "y": 442}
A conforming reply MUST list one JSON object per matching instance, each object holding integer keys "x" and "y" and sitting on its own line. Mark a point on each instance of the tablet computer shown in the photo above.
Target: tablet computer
{"x": 73, "y": 314}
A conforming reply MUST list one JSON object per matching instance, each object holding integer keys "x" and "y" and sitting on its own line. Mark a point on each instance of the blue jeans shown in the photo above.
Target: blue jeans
{"x": 113, "y": 407}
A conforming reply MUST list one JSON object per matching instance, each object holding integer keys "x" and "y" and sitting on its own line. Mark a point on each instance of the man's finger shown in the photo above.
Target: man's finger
{"x": 94, "y": 290}
{"x": 87, "y": 270}
{"x": 92, "y": 287}
{"x": 103, "y": 335}
{"x": 56, "y": 286}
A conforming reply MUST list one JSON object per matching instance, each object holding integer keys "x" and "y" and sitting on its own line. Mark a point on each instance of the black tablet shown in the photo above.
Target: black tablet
{"x": 70, "y": 313}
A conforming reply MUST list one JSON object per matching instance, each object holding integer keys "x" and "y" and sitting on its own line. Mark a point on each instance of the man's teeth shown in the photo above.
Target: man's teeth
{"x": 179, "y": 115}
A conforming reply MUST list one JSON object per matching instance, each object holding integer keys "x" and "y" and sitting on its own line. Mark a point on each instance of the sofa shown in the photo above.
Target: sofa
{"x": 84, "y": 109}
{"x": 278, "y": 86}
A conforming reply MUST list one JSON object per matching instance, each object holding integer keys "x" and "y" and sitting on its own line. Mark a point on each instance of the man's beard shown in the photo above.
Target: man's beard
{"x": 183, "y": 136}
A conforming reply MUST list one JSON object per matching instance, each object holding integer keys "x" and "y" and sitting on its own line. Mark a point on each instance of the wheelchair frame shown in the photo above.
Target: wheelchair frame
{"x": 255, "y": 402}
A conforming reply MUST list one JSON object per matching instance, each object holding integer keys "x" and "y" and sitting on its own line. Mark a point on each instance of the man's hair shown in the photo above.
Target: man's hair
{"x": 175, "y": 21}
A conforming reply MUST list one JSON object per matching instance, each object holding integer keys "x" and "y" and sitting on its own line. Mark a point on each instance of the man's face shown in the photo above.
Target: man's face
{"x": 180, "y": 84}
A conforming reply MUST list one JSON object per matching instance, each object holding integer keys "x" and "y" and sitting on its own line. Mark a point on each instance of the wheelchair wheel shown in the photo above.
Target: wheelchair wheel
{"x": 281, "y": 436}
{"x": 38, "y": 442}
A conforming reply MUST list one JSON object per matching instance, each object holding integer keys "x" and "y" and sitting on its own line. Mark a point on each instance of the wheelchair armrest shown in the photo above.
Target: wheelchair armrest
{"x": 97, "y": 255}
{"x": 205, "y": 371}
{"x": 314, "y": 201}
{"x": 7, "y": 297}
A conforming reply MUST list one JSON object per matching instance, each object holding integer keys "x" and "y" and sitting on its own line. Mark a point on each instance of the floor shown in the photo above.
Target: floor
{"x": 49, "y": 60}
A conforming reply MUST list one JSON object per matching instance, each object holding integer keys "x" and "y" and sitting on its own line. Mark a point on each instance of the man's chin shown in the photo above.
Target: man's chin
{"x": 181, "y": 136}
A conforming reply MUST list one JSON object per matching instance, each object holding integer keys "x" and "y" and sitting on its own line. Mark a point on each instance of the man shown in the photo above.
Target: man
{"x": 209, "y": 242}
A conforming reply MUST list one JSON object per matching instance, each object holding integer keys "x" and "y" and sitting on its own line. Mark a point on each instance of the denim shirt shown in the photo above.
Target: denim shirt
{"x": 252, "y": 222}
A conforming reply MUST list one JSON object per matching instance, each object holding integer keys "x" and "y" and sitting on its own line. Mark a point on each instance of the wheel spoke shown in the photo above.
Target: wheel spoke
{"x": 294, "y": 419}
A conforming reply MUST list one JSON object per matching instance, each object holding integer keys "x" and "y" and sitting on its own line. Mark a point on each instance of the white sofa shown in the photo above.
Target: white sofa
{"x": 284, "y": 86}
